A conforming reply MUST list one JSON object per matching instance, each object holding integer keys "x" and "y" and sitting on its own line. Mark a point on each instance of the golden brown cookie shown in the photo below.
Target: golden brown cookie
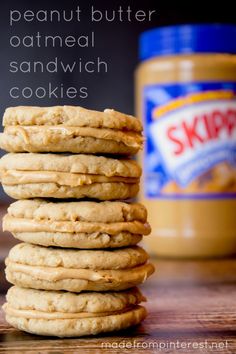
{"x": 66, "y": 302}
{"x": 70, "y": 129}
{"x": 37, "y": 267}
{"x": 29, "y": 175}
{"x": 77, "y": 224}
{"x": 64, "y": 314}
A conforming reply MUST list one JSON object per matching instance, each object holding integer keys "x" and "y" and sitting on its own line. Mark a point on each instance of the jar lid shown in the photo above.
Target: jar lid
{"x": 183, "y": 39}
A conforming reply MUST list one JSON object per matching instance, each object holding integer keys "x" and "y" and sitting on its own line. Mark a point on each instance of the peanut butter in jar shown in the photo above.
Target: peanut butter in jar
{"x": 186, "y": 97}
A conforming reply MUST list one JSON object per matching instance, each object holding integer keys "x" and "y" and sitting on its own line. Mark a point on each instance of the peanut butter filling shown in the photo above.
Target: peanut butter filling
{"x": 57, "y": 315}
{"x": 54, "y": 134}
{"x": 14, "y": 177}
{"x": 30, "y": 225}
{"x": 139, "y": 273}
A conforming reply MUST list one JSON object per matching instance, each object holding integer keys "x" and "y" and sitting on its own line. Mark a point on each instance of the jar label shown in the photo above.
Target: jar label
{"x": 190, "y": 150}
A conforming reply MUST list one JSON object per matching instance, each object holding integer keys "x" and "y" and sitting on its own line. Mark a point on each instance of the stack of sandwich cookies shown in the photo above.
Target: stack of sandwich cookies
{"x": 78, "y": 264}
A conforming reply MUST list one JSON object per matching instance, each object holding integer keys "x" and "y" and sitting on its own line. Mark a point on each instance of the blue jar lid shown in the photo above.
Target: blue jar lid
{"x": 195, "y": 38}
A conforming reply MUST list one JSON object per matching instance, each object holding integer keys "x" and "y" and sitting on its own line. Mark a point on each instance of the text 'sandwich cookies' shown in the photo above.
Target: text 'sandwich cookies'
{"x": 70, "y": 129}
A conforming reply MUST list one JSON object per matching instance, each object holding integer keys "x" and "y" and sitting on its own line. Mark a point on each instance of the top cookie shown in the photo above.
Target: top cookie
{"x": 70, "y": 129}
{"x": 72, "y": 116}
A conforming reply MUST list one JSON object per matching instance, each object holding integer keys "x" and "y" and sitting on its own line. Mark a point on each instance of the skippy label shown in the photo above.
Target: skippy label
{"x": 191, "y": 140}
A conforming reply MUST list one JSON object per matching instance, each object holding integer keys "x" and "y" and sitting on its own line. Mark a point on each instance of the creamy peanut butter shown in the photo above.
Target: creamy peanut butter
{"x": 13, "y": 177}
{"x": 139, "y": 273}
{"x": 186, "y": 96}
{"x": 53, "y": 134}
{"x": 30, "y": 225}
{"x": 57, "y": 315}
{"x": 55, "y": 274}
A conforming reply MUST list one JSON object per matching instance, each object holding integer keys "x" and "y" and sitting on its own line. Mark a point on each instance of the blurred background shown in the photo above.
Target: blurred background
{"x": 116, "y": 43}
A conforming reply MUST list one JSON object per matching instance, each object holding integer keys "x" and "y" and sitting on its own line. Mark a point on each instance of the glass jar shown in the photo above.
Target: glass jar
{"x": 186, "y": 96}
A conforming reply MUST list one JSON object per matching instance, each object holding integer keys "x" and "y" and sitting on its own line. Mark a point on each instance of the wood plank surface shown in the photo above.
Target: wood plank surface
{"x": 192, "y": 309}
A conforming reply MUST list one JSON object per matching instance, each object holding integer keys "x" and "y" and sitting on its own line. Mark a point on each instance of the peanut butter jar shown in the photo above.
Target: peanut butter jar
{"x": 186, "y": 97}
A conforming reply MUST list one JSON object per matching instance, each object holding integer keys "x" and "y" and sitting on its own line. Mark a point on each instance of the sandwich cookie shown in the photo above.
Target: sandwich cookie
{"x": 77, "y": 224}
{"x": 37, "y": 267}
{"x": 70, "y": 129}
{"x": 63, "y": 314}
{"x": 27, "y": 175}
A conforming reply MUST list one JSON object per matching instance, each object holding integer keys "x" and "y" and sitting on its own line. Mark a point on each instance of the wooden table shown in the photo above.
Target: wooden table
{"x": 191, "y": 304}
